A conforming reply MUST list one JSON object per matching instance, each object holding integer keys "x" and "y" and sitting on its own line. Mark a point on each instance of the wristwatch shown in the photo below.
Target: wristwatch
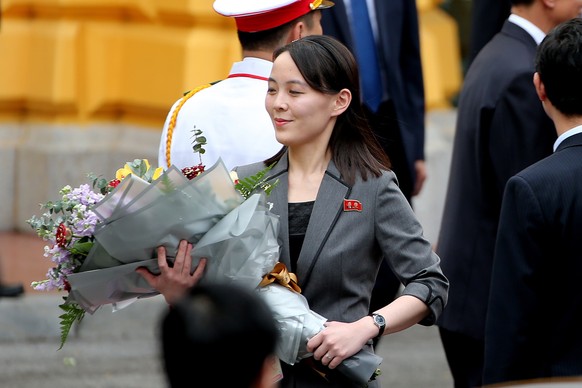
{"x": 380, "y": 322}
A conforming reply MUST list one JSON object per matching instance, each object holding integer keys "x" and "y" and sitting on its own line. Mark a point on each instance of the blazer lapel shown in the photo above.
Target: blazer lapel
{"x": 332, "y": 191}
{"x": 328, "y": 206}
{"x": 279, "y": 199}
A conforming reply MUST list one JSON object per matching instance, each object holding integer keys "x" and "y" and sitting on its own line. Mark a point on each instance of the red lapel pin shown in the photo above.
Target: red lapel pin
{"x": 351, "y": 205}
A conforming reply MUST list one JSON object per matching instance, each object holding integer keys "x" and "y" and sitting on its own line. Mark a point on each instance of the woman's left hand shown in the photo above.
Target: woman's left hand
{"x": 337, "y": 342}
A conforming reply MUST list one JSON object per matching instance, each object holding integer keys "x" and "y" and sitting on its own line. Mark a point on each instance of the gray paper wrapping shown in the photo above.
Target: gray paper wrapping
{"x": 137, "y": 218}
{"x": 297, "y": 324}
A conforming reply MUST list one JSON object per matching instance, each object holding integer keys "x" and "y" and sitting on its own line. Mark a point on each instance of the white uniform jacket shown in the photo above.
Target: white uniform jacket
{"x": 231, "y": 115}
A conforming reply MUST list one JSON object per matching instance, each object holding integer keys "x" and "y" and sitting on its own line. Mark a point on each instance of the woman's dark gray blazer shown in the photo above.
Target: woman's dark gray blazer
{"x": 342, "y": 250}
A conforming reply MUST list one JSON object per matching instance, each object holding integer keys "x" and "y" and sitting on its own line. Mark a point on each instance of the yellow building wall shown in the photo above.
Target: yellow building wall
{"x": 440, "y": 53}
{"x": 126, "y": 60}
{"x": 79, "y": 60}
{"x": 86, "y": 85}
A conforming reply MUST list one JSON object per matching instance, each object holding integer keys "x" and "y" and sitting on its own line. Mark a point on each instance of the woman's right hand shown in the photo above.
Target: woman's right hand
{"x": 175, "y": 280}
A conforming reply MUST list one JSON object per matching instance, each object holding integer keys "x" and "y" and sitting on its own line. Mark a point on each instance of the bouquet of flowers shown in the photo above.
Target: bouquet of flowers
{"x": 68, "y": 224}
{"x": 98, "y": 238}
{"x": 100, "y": 234}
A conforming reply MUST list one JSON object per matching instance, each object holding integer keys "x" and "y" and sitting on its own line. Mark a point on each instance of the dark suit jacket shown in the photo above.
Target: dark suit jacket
{"x": 501, "y": 129}
{"x": 400, "y": 62}
{"x": 535, "y": 310}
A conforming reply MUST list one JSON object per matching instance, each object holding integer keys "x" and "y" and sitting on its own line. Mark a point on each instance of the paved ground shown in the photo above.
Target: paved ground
{"x": 120, "y": 350}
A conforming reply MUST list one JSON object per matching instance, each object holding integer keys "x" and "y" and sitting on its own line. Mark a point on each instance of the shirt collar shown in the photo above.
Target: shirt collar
{"x": 252, "y": 65}
{"x": 567, "y": 134}
{"x": 537, "y": 34}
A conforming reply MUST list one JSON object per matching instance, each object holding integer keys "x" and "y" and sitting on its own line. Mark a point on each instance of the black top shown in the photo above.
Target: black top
{"x": 299, "y": 214}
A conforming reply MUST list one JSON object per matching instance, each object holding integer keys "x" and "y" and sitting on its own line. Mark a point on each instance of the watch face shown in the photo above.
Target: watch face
{"x": 380, "y": 321}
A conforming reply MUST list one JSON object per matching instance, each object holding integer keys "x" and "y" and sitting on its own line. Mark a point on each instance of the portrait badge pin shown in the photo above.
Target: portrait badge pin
{"x": 352, "y": 205}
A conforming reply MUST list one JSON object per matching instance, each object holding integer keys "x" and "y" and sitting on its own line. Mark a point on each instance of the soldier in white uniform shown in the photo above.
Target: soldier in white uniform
{"x": 231, "y": 113}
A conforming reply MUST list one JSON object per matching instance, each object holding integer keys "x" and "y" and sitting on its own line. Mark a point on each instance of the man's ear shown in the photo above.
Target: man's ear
{"x": 551, "y": 4}
{"x": 342, "y": 101}
{"x": 296, "y": 32}
{"x": 540, "y": 88}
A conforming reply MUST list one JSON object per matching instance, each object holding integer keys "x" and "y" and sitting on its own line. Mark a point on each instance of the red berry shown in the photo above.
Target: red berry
{"x": 193, "y": 172}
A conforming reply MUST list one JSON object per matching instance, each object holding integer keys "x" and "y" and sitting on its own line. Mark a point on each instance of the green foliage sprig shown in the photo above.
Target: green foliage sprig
{"x": 248, "y": 185}
{"x": 72, "y": 313}
{"x": 198, "y": 143}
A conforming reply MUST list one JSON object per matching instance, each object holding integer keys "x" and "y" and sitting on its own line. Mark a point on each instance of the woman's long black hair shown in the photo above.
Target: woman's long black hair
{"x": 328, "y": 67}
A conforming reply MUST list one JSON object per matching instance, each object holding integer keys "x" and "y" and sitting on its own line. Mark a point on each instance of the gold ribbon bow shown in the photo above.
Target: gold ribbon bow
{"x": 281, "y": 275}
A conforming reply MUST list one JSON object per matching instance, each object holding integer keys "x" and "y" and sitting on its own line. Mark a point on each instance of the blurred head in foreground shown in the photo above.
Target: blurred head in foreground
{"x": 220, "y": 333}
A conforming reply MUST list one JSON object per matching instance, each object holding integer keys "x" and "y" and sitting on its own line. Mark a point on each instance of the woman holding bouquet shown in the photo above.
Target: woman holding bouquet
{"x": 341, "y": 212}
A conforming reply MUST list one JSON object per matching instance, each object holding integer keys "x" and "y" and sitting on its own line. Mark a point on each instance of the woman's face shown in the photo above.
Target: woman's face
{"x": 300, "y": 114}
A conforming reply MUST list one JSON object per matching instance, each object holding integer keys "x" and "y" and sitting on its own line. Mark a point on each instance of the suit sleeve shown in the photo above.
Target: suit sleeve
{"x": 513, "y": 321}
{"x": 408, "y": 253}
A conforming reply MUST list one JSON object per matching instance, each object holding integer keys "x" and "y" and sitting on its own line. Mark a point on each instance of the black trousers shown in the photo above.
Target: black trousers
{"x": 465, "y": 356}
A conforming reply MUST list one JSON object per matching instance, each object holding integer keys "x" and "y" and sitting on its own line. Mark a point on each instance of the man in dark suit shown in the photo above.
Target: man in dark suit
{"x": 398, "y": 121}
{"x": 535, "y": 306}
{"x": 501, "y": 129}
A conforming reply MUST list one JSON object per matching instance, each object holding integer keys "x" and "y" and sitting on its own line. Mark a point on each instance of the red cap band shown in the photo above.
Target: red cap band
{"x": 275, "y": 18}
